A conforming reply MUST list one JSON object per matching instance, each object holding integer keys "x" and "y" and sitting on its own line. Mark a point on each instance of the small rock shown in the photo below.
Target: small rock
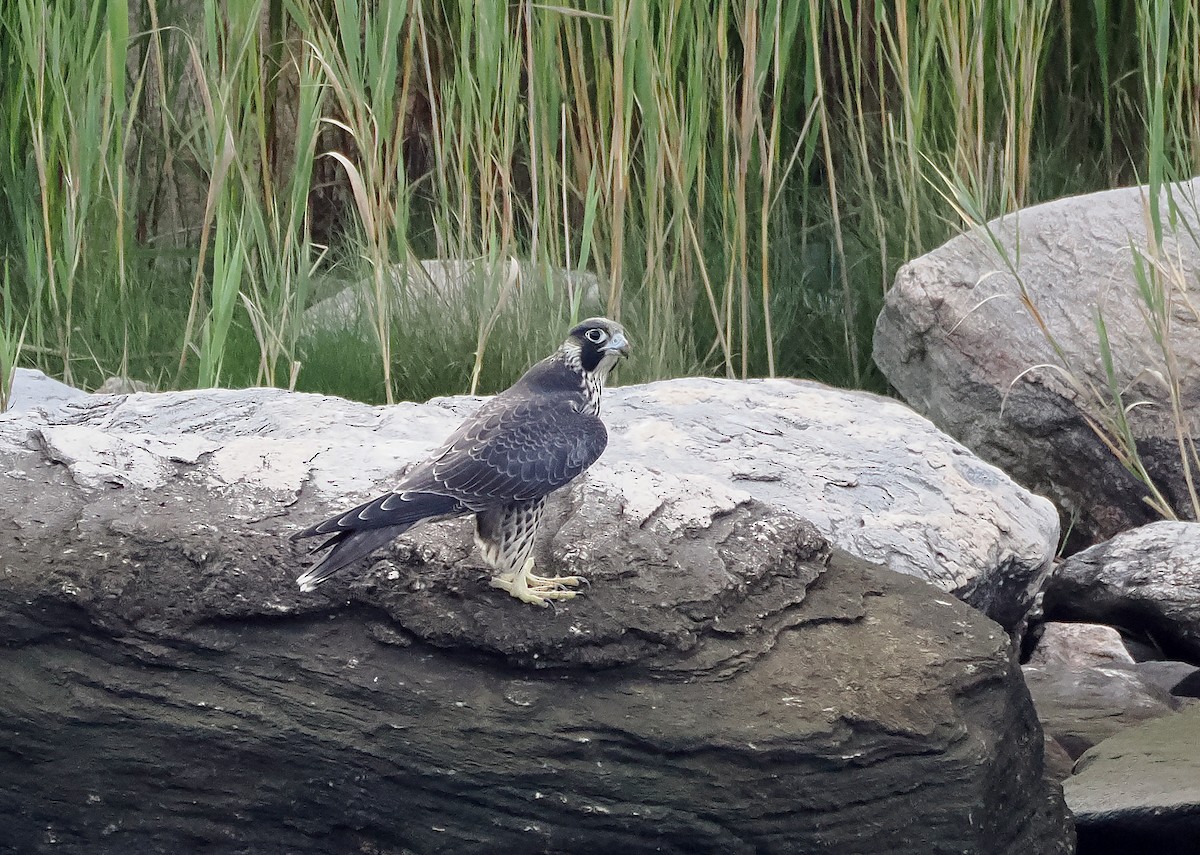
{"x": 448, "y": 281}
{"x": 123, "y": 386}
{"x": 1081, "y": 645}
{"x": 1080, "y": 707}
{"x": 1058, "y": 764}
{"x": 1178, "y": 678}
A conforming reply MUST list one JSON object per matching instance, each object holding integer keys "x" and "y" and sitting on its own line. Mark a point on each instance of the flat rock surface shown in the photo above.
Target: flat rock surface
{"x": 957, "y": 339}
{"x": 876, "y": 478}
{"x": 1147, "y": 579}
{"x": 729, "y": 683}
{"x": 1140, "y": 790}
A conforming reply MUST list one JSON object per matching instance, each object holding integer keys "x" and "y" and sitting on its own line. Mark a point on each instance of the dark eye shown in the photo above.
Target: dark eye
{"x": 595, "y": 336}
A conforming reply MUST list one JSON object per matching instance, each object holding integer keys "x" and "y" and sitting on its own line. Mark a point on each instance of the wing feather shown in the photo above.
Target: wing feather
{"x": 388, "y": 511}
{"x": 517, "y": 453}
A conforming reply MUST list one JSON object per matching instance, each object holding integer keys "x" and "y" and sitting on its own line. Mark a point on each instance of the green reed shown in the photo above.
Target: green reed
{"x": 743, "y": 179}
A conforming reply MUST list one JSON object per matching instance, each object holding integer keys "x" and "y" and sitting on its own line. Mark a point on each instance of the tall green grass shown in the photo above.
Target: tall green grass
{"x": 742, "y": 178}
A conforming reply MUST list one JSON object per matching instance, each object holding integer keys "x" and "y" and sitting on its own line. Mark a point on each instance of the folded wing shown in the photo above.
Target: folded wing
{"x": 511, "y": 451}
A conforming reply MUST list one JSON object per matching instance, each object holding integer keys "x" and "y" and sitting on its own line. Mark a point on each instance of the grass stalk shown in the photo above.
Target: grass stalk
{"x": 12, "y": 341}
{"x": 743, "y": 178}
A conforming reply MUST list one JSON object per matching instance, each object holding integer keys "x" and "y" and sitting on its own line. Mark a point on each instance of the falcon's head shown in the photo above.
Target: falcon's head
{"x": 599, "y": 343}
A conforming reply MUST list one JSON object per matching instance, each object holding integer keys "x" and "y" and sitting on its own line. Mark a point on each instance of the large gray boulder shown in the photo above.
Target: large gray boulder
{"x": 730, "y": 682}
{"x": 871, "y": 475}
{"x": 958, "y": 340}
{"x": 1147, "y": 579}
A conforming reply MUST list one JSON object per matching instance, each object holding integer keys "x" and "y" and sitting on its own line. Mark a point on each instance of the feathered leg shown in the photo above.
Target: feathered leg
{"x": 506, "y": 538}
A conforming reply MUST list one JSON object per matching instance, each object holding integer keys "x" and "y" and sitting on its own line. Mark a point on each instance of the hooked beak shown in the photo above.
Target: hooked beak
{"x": 618, "y": 343}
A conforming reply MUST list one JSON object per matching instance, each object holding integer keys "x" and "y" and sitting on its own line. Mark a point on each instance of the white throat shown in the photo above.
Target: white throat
{"x": 593, "y": 381}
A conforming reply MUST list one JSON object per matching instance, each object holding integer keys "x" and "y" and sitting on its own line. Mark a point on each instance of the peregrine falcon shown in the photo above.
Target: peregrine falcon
{"x": 500, "y": 465}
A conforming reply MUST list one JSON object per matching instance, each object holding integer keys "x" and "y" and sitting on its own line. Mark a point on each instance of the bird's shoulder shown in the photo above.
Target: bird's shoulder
{"x": 550, "y": 377}
{"x": 548, "y": 390}
{"x": 524, "y": 442}
{"x": 548, "y": 398}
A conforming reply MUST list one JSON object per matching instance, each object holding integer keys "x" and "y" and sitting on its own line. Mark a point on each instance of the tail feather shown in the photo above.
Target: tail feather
{"x": 364, "y": 529}
{"x": 348, "y": 547}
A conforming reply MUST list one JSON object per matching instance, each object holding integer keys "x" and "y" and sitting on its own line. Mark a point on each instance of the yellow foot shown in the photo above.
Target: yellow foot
{"x": 538, "y": 590}
{"x": 557, "y": 581}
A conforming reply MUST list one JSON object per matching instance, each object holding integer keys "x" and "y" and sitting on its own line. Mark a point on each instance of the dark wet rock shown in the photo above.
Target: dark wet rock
{"x": 958, "y": 342}
{"x": 1147, "y": 579}
{"x": 1140, "y": 790}
{"x": 729, "y": 683}
{"x": 1081, "y": 706}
